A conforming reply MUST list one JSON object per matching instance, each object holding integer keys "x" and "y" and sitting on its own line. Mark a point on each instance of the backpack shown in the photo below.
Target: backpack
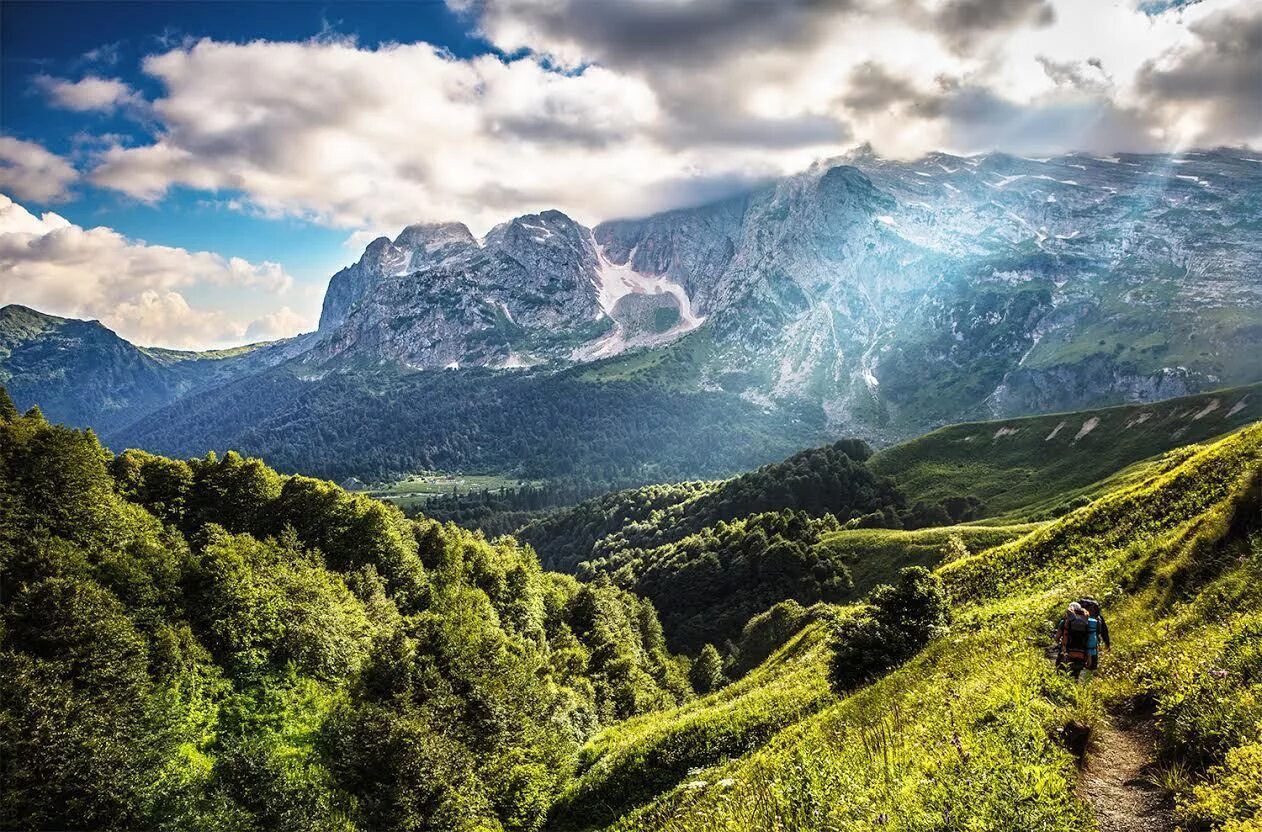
{"x": 1077, "y": 636}
{"x": 1091, "y": 605}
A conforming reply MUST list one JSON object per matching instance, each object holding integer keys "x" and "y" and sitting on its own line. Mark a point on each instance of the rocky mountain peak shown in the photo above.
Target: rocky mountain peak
{"x": 433, "y": 236}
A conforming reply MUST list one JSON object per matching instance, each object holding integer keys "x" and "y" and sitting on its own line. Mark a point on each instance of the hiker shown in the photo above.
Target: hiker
{"x": 1101, "y": 634}
{"x": 1075, "y": 636}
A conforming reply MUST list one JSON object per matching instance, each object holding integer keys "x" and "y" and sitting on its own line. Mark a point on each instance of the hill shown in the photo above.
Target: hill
{"x": 975, "y": 731}
{"x": 210, "y": 645}
{"x": 82, "y": 373}
{"x": 1038, "y": 466}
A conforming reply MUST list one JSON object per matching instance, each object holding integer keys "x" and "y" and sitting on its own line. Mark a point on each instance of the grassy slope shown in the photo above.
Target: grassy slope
{"x": 873, "y": 555}
{"x": 1034, "y": 467}
{"x": 963, "y": 737}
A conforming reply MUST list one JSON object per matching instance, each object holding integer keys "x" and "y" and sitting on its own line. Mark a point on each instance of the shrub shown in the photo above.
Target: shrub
{"x": 902, "y": 619}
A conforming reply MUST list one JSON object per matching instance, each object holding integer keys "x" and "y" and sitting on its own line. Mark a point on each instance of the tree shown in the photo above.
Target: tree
{"x": 901, "y": 619}
{"x": 707, "y": 671}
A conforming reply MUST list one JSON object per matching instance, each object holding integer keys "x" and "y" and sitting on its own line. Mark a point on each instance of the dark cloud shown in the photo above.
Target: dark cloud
{"x": 715, "y": 127}
{"x": 980, "y": 120}
{"x": 642, "y": 32}
{"x": 1222, "y": 72}
{"x": 1088, "y": 76}
{"x": 962, "y": 22}
{"x": 874, "y": 89}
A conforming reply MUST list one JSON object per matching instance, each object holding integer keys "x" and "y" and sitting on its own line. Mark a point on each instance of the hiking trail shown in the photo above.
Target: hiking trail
{"x": 1118, "y": 780}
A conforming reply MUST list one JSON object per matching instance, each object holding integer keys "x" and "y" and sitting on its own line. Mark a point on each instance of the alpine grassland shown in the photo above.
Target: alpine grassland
{"x": 969, "y": 733}
{"x": 1038, "y": 467}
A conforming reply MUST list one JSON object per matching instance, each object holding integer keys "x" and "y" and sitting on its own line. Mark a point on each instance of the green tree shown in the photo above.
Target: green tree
{"x": 707, "y": 670}
{"x": 901, "y": 619}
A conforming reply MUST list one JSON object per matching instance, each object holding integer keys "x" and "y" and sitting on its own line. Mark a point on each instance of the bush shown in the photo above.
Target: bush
{"x": 901, "y": 620}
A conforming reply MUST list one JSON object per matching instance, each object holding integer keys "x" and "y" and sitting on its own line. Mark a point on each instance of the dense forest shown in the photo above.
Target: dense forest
{"x": 712, "y": 554}
{"x": 535, "y": 426}
{"x": 206, "y": 644}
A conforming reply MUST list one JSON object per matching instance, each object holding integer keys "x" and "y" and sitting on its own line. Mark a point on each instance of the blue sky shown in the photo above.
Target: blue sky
{"x": 111, "y": 39}
{"x": 191, "y": 173}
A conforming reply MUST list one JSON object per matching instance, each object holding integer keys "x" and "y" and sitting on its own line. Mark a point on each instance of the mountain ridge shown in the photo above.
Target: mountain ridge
{"x": 884, "y": 298}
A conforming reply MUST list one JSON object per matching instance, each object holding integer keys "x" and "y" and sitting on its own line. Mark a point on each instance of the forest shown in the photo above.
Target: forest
{"x": 376, "y": 425}
{"x": 207, "y": 644}
{"x": 713, "y": 554}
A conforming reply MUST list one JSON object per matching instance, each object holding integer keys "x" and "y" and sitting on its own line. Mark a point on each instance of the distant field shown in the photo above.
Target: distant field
{"x": 1037, "y": 467}
{"x": 415, "y": 490}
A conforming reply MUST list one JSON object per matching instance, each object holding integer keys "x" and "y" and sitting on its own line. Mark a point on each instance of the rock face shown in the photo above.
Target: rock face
{"x": 902, "y": 295}
{"x": 894, "y": 295}
{"x": 417, "y": 247}
{"x": 435, "y": 297}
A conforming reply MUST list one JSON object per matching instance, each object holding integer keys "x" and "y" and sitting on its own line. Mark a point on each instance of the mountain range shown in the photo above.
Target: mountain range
{"x": 864, "y": 297}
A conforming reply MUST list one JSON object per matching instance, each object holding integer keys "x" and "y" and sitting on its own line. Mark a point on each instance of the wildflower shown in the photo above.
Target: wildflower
{"x": 696, "y": 784}
{"x": 1219, "y": 673}
{"x": 727, "y": 782}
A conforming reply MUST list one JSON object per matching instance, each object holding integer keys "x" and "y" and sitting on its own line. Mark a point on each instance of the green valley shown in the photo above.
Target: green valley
{"x": 210, "y": 644}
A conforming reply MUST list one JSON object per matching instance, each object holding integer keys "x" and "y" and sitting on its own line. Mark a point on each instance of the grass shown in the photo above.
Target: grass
{"x": 966, "y": 735}
{"x": 873, "y": 555}
{"x": 415, "y": 490}
{"x": 1036, "y": 467}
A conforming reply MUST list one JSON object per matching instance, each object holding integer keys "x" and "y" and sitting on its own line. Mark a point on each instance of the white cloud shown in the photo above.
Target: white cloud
{"x": 279, "y": 324}
{"x": 380, "y": 138}
{"x": 88, "y": 94}
{"x": 662, "y": 102}
{"x": 33, "y": 173}
{"x": 137, "y": 289}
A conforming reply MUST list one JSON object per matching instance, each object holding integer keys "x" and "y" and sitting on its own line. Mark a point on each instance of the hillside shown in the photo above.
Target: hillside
{"x": 210, "y": 645}
{"x": 377, "y": 424}
{"x": 83, "y": 374}
{"x": 970, "y": 733}
{"x": 1038, "y": 466}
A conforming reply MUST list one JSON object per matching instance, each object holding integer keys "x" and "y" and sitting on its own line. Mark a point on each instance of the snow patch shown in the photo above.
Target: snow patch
{"x": 1236, "y": 408}
{"x": 1198, "y": 180}
{"x": 455, "y": 365}
{"x": 1088, "y": 426}
{"x": 887, "y": 219}
{"x": 616, "y": 281}
{"x": 1006, "y": 431}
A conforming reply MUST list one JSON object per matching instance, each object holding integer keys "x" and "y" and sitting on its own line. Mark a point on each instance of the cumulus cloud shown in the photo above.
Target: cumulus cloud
{"x": 382, "y": 137}
{"x": 1212, "y": 85}
{"x": 137, "y": 289}
{"x": 32, "y": 172}
{"x": 604, "y": 109}
{"x": 88, "y": 93}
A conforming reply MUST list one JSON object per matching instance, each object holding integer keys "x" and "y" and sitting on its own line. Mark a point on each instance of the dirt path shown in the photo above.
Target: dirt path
{"x": 1118, "y": 781}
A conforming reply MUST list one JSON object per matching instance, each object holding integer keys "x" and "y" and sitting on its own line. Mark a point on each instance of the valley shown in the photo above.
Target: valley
{"x": 689, "y": 680}
{"x": 634, "y": 416}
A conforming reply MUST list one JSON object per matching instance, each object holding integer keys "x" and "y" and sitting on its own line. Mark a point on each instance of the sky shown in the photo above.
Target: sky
{"x": 192, "y": 173}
